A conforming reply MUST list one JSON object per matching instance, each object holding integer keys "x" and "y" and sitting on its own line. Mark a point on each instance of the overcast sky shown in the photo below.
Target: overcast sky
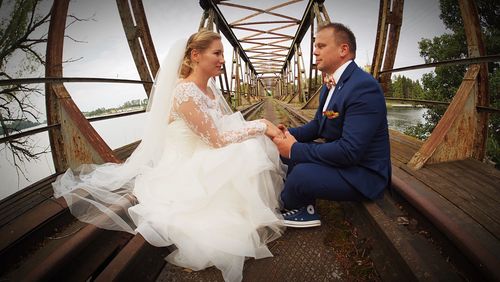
{"x": 106, "y": 53}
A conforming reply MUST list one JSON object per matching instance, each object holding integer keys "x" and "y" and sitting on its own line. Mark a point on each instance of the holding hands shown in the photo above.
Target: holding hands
{"x": 281, "y": 137}
{"x": 284, "y": 144}
{"x": 272, "y": 131}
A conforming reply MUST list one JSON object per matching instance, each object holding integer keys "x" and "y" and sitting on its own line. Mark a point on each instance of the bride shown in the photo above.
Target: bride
{"x": 203, "y": 178}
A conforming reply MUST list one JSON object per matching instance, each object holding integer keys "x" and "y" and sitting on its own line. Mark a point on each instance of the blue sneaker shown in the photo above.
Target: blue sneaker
{"x": 302, "y": 218}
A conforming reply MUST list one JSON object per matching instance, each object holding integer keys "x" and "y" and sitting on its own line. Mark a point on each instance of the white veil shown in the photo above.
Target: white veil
{"x": 102, "y": 194}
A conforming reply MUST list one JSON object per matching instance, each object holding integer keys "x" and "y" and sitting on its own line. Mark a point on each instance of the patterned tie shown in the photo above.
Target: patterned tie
{"x": 329, "y": 81}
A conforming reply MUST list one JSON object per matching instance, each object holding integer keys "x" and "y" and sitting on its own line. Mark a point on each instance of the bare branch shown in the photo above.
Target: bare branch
{"x": 16, "y": 108}
{"x": 71, "y": 60}
{"x": 76, "y": 19}
{"x": 75, "y": 40}
{"x": 37, "y": 56}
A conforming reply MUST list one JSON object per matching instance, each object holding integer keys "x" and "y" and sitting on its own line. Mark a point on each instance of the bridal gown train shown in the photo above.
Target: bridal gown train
{"x": 213, "y": 193}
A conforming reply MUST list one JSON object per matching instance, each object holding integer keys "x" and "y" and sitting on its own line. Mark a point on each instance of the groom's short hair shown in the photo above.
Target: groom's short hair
{"x": 343, "y": 35}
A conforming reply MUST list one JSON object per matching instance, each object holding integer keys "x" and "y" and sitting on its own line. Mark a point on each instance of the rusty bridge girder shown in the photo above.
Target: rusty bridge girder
{"x": 386, "y": 43}
{"x": 75, "y": 142}
{"x": 462, "y": 131}
{"x": 139, "y": 40}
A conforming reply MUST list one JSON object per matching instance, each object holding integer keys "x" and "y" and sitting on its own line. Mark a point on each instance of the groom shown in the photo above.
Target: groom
{"x": 353, "y": 164}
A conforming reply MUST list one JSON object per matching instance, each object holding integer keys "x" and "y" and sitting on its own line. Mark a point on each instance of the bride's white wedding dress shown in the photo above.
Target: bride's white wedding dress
{"x": 204, "y": 180}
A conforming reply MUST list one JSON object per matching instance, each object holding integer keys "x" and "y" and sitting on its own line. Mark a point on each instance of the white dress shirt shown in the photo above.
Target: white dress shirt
{"x": 336, "y": 75}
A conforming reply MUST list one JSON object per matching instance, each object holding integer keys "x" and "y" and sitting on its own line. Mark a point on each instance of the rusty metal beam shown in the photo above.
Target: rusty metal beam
{"x": 36, "y": 80}
{"x": 378, "y": 53}
{"x": 260, "y": 11}
{"x": 454, "y": 62}
{"x": 476, "y": 48}
{"x": 453, "y": 137}
{"x": 305, "y": 23}
{"x": 139, "y": 39}
{"x": 226, "y": 30}
{"x": 75, "y": 141}
{"x": 462, "y": 131}
{"x": 53, "y": 68}
{"x": 265, "y": 22}
{"x": 322, "y": 18}
{"x": 82, "y": 144}
{"x": 145, "y": 36}
{"x": 395, "y": 21}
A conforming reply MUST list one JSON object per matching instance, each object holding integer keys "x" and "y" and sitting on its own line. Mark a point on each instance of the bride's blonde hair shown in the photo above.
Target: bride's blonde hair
{"x": 198, "y": 41}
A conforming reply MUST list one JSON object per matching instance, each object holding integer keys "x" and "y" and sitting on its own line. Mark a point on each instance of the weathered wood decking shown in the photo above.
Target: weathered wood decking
{"x": 471, "y": 186}
{"x": 461, "y": 198}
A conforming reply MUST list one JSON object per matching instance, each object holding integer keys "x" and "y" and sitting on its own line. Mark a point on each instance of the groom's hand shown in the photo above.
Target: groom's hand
{"x": 283, "y": 128}
{"x": 285, "y": 144}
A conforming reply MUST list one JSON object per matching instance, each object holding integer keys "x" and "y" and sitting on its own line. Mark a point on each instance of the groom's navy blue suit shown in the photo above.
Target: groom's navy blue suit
{"x": 354, "y": 162}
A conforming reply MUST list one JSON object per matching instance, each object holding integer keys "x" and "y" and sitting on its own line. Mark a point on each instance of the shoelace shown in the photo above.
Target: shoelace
{"x": 290, "y": 212}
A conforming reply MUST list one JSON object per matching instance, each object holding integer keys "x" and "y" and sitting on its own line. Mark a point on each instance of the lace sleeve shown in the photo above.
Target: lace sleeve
{"x": 192, "y": 106}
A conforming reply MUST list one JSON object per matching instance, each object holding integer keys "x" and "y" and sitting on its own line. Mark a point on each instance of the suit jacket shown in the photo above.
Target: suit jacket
{"x": 357, "y": 140}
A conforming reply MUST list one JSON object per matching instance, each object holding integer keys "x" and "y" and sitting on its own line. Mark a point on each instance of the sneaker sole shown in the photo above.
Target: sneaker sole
{"x": 297, "y": 224}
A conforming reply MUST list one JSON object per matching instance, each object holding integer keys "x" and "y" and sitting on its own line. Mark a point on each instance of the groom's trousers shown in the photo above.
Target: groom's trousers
{"x": 307, "y": 182}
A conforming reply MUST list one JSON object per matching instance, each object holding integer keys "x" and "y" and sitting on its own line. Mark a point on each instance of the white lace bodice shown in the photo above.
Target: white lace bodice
{"x": 204, "y": 117}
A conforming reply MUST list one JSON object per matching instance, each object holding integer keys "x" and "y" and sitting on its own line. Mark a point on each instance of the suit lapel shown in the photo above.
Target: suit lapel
{"x": 324, "y": 94}
{"x": 340, "y": 84}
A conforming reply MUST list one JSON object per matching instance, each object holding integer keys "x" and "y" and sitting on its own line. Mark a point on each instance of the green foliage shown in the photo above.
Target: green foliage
{"x": 443, "y": 83}
{"x": 493, "y": 142}
{"x": 403, "y": 87}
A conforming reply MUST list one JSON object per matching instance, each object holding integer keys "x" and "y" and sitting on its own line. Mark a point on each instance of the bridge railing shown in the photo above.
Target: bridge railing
{"x": 9, "y": 137}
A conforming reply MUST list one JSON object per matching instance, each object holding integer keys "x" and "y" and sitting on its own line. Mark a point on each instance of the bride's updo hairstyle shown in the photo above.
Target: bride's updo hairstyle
{"x": 198, "y": 41}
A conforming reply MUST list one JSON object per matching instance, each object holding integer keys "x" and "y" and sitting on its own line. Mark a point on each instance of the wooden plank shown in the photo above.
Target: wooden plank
{"x": 399, "y": 159}
{"x": 123, "y": 261}
{"x": 402, "y": 150}
{"x": 458, "y": 197}
{"x": 14, "y": 230}
{"x": 406, "y": 139}
{"x": 487, "y": 202}
{"x": 18, "y": 196}
{"x": 475, "y": 184}
{"x": 451, "y": 187}
{"x": 481, "y": 169}
{"x": 479, "y": 245}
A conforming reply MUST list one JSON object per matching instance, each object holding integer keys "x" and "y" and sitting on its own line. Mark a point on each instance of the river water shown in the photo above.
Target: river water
{"x": 121, "y": 131}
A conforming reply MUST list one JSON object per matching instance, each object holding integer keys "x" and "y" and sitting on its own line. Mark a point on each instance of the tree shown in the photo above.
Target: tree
{"x": 443, "y": 83}
{"x": 19, "y": 38}
{"x": 404, "y": 87}
{"x": 23, "y": 37}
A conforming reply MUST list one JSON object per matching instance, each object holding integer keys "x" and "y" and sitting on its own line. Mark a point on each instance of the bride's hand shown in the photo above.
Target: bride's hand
{"x": 272, "y": 130}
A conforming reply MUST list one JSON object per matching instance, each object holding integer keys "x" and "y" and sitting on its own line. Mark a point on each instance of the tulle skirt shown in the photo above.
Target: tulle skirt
{"x": 216, "y": 205}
